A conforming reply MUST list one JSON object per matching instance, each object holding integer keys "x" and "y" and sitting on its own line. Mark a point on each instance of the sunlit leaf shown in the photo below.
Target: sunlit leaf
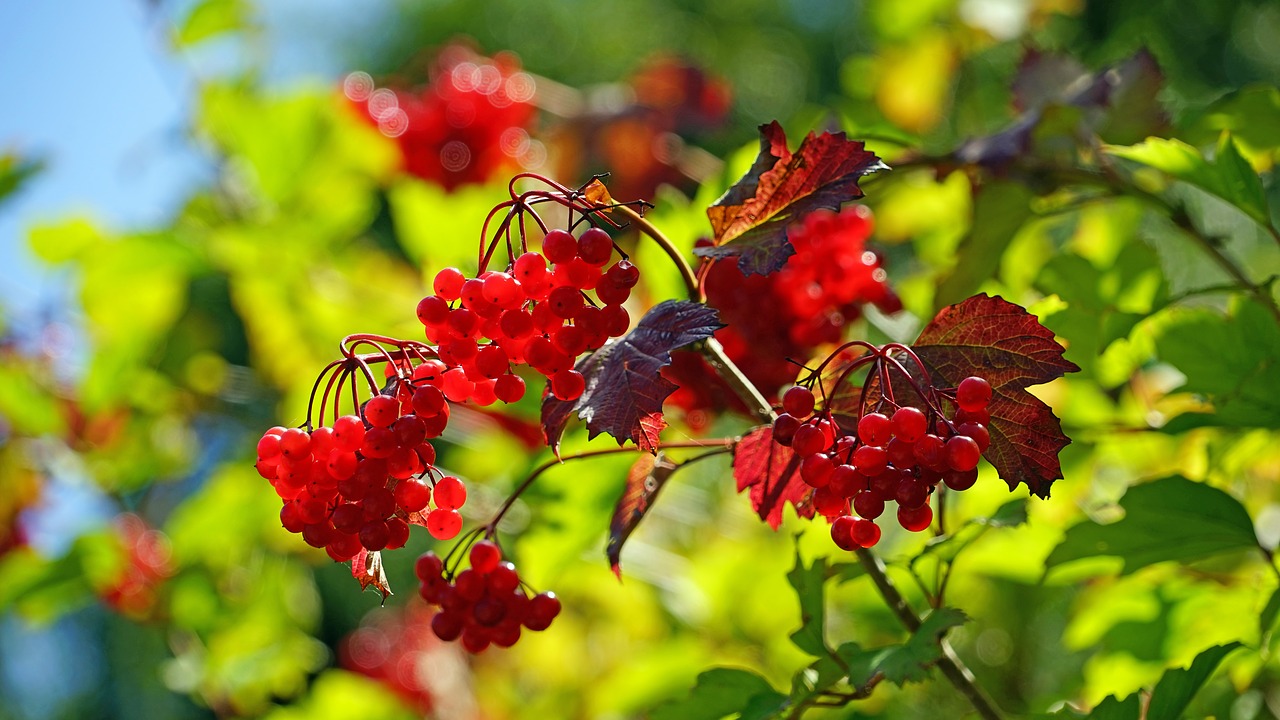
{"x": 719, "y": 692}
{"x": 772, "y": 472}
{"x": 1170, "y": 519}
{"x": 1228, "y": 176}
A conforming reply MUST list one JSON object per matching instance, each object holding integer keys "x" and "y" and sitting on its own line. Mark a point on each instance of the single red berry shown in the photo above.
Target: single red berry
{"x": 444, "y": 524}
{"x": 842, "y": 533}
{"x": 381, "y": 410}
{"x": 784, "y": 429}
{"x": 870, "y": 460}
{"x": 868, "y": 505}
{"x": 428, "y": 566}
{"x": 433, "y": 311}
{"x": 931, "y": 453}
{"x": 565, "y": 302}
{"x": 846, "y": 481}
{"x": 816, "y": 470}
{"x": 485, "y": 557}
{"x": 447, "y": 626}
{"x": 559, "y": 246}
{"x": 960, "y": 479}
{"x": 865, "y": 533}
{"x": 978, "y": 432}
{"x": 973, "y": 394}
{"x": 909, "y": 424}
{"x": 798, "y": 401}
{"x": 269, "y": 447}
{"x": 397, "y": 533}
{"x": 530, "y": 268}
{"x": 808, "y": 440}
{"x": 568, "y": 385}
{"x": 509, "y": 388}
{"x": 962, "y": 453}
{"x": 295, "y": 444}
{"x": 450, "y": 493}
{"x": 412, "y": 494}
{"x": 915, "y": 519}
{"x": 875, "y": 429}
{"x": 623, "y": 274}
{"x": 911, "y": 493}
{"x": 543, "y": 608}
{"x": 595, "y": 246}
{"x": 374, "y": 535}
{"x": 448, "y": 283}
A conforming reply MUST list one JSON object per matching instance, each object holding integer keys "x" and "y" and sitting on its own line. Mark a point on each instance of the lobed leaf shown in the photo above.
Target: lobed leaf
{"x": 624, "y": 388}
{"x": 772, "y": 472}
{"x": 750, "y": 220}
{"x": 1204, "y": 520}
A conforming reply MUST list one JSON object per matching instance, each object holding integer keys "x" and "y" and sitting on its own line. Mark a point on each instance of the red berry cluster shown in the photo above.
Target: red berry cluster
{"x": 358, "y": 484}
{"x": 530, "y": 314}
{"x": 889, "y": 458}
{"x": 466, "y": 125}
{"x": 772, "y": 320}
{"x": 147, "y": 562}
{"x": 484, "y": 604}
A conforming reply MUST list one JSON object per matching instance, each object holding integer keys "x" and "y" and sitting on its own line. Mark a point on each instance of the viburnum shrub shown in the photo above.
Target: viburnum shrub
{"x": 867, "y": 427}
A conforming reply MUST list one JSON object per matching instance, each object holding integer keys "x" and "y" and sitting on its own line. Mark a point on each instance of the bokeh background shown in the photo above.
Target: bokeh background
{"x": 199, "y": 199}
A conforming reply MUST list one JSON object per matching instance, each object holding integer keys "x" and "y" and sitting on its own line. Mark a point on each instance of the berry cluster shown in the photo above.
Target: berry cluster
{"x": 775, "y": 319}
{"x": 147, "y": 562}
{"x": 466, "y": 125}
{"x": 484, "y": 604}
{"x": 899, "y": 458}
{"x": 532, "y": 314}
{"x": 356, "y": 485}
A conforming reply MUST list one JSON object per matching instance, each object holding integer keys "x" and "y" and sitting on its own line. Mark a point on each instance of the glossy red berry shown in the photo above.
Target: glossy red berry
{"x": 973, "y": 394}
{"x": 559, "y": 246}
{"x": 595, "y": 246}
{"x": 909, "y": 424}
{"x": 798, "y": 401}
{"x": 915, "y": 519}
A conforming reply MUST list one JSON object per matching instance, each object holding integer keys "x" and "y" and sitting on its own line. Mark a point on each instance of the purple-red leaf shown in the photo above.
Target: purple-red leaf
{"x": 772, "y": 472}
{"x": 995, "y": 339}
{"x": 647, "y": 477}
{"x": 750, "y": 220}
{"x": 624, "y": 388}
{"x": 366, "y": 567}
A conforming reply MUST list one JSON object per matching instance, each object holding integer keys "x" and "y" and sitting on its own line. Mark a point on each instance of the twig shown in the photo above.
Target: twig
{"x": 686, "y": 272}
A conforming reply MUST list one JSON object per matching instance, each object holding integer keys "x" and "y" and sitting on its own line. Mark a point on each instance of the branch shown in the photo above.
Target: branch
{"x": 952, "y": 667}
{"x": 686, "y": 272}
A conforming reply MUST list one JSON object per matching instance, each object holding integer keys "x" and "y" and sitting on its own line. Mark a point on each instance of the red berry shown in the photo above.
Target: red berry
{"x": 428, "y": 566}
{"x": 960, "y": 479}
{"x": 381, "y": 410}
{"x": 559, "y": 246}
{"x": 842, "y": 533}
{"x": 623, "y": 274}
{"x": 503, "y": 290}
{"x": 909, "y": 424}
{"x": 565, "y": 302}
{"x": 450, "y": 493}
{"x": 433, "y": 311}
{"x": 568, "y": 385}
{"x": 915, "y": 519}
{"x": 374, "y": 535}
{"x": 785, "y": 428}
{"x": 397, "y": 533}
{"x": 973, "y": 394}
{"x": 447, "y": 626}
{"x": 930, "y": 452}
{"x": 911, "y": 493}
{"x": 269, "y": 447}
{"x": 808, "y": 440}
{"x": 868, "y": 505}
{"x": 448, "y": 283}
{"x": 816, "y": 469}
{"x": 543, "y": 608}
{"x": 846, "y": 481}
{"x": 412, "y": 495}
{"x": 295, "y": 444}
{"x": 978, "y": 432}
{"x": 865, "y": 533}
{"x": 530, "y": 268}
{"x": 962, "y": 453}
{"x": 875, "y": 429}
{"x": 595, "y": 246}
{"x": 444, "y": 524}
{"x": 485, "y": 557}
{"x": 798, "y": 401}
{"x": 870, "y": 460}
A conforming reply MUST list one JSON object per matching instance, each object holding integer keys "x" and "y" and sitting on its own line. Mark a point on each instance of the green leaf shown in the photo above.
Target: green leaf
{"x": 1113, "y": 709}
{"x": 1229, "y": 176}
{"x": 210, "y": 18}
{"x": 64, "y": 241}
{"x": 808, "y": 582}
{"x": 16, "y": 171}
{"x": 999, "y": 211}
{"x": 1174, "y": 691}
{"x": 1229, "y": 360}
{"x": 1169, "y": 519}
{"x": 1268, "y": 616}
{"x": 720, "y": 692}
{"x": 910, "y": 662}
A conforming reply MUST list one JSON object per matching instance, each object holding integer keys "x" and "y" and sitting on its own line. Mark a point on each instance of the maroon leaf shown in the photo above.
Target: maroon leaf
{"x": 366, "y": 567}
{"x": 773, "y": 474}
{"x": 647, "y": 477}
{"x": 1003, "y": 343}
{"x": 625, "y": 389}
{"x": 780, "y": 188}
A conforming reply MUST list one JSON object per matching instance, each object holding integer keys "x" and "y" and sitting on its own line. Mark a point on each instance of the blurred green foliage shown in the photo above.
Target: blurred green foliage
{"x": 1153, "y": 258}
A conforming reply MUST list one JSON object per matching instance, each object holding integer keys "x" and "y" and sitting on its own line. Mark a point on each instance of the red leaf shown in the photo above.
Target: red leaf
{"x": 625, "y": 389}
{"x": 647, "y": 477}
{"x": 1000, "y": 341}
{"x": 773, "y": 474}
{"x": 366, "y": 567}
{"x": 780, "y": 188}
